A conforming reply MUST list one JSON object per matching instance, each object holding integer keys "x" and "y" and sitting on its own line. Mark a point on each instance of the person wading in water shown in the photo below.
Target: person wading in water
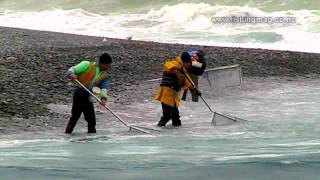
{"x": 173, "y": 80}
{"x": 197, "y": 69}
{"x": 90, "y": 74}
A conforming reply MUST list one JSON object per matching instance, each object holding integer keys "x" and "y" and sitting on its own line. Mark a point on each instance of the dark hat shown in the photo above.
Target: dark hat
{"x": 185, "y": 57}
{"x": 200, "y": 54}
{"x": 105, "y": 58}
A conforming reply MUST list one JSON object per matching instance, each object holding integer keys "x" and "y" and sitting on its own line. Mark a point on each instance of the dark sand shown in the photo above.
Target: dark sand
{"x": 33, "y": 69}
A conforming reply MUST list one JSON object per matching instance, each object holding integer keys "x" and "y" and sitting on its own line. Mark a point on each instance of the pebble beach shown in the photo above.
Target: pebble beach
{"x": 33, "y": 67}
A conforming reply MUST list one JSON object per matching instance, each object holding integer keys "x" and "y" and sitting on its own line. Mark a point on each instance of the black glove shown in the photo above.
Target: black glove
{"x": 196, "y": 91}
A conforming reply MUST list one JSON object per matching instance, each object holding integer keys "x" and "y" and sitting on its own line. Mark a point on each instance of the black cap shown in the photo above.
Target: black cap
{"x": 105, "y": 58}
{"x": 185, "y": 57}
{"x": 200, "y": 54}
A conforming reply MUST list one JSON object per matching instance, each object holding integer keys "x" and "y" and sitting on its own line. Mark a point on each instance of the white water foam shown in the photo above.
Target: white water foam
{"x": 189, "y": 23}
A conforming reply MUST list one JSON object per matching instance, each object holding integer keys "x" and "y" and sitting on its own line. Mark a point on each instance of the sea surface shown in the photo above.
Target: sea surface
{"x": 292, "y": 24}
{"x": 280, "y": 141}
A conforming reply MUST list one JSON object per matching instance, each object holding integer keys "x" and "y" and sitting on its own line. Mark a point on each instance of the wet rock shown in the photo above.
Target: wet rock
{"x": 11, "y": 59}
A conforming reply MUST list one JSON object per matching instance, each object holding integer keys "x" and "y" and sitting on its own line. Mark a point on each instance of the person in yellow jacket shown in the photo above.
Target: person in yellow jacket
{"x": 173, "y": 81}
{"x": 90, "y": 74}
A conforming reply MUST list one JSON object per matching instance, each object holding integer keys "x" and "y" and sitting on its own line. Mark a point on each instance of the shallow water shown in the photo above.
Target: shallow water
{"x": 280, "y": 141}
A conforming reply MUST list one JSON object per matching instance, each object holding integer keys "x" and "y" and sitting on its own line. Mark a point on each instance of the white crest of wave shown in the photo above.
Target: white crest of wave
{"x": 189, "y": 23}
{"x": 76, "y": 21}
{"x": 198, "y": 17}
{"x": 12, "y": 143}
{"x": 183, "y": 17}
{"x": 247, "y": 156}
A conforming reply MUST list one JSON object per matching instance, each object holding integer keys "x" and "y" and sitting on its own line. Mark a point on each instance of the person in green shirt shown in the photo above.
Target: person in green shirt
{"x": 90, "y": 74}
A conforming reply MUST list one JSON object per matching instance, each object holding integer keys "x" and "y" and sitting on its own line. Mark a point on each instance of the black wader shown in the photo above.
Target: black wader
{"x": 195, "y": 97}
{"x": 82, "y": 104}
{"x": 169, "y": 113}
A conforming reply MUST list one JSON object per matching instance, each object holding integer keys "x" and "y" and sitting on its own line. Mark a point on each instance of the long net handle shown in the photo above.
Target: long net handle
{"x": 214, "y": 113}
{"x": 194, "y": 86}
{"x": 113, "y": 113}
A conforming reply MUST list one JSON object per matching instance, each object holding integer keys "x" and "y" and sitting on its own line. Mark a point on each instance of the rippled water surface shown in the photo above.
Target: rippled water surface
{"x": 280, "y": 141}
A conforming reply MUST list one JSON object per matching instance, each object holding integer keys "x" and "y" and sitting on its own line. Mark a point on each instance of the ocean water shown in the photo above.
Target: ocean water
{"x": 281, "y": 141}
{"x": 175, "y": 21}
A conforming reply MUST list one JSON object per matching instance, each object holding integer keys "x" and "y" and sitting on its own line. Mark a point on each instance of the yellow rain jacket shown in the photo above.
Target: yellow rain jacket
{"x": 169, "y": 95}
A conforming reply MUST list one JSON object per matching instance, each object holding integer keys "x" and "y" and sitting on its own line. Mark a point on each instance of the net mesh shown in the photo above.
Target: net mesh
{"x": 225, "y": 76}
{"x": 220, "y": 119}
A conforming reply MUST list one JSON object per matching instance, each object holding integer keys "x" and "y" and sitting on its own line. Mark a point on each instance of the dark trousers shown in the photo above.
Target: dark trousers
{"x": 81, "y": 104}
{"x": 169, "y": 113}
{"x": 195, "y": 97}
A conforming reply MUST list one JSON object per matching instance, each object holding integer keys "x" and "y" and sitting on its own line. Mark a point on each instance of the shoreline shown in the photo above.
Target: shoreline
{"x": 33, "y": 69}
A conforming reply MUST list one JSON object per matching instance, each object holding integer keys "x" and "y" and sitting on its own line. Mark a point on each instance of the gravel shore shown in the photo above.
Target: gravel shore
{"x": 33, "y": 68}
